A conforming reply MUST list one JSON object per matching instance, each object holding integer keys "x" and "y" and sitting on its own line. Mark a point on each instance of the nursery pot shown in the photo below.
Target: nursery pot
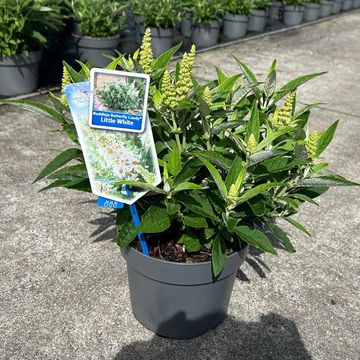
{"x": 235, "y": 26}
{"x": 161, "y": 40}
{"x": 346, "y": 5}
{"x": 257, "y": 21}
{"x": 326, "y": 8}
{"x": 139, "y": 27}
{"x": 311, "y": 12}
{"x": 205, "y": 35}
{"x": 293, "y": 15}
{"x": 355, "y": 4}
{"x": 186, "y": 25}
{"x": 337, "y": 5}
{"x": 275, "y": 10}
{"x": 19, "y": 74}
{"x": 93, "y": 49}
{"x": 179, "y": 300}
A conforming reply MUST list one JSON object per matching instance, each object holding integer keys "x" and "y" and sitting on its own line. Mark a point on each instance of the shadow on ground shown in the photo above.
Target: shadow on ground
{"x": 272, "y": 338}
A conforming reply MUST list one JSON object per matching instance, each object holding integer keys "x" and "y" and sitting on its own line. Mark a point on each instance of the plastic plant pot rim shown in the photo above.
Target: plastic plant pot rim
{"x": 21, "y": 59}
{"x": 79, "y": 36}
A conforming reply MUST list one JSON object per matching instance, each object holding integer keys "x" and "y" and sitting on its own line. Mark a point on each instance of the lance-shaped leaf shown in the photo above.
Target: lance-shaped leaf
{"x": 281, "y": 236}
{"x": 253, "y": 126}
{"x": 216, "y": 176}
{"x": 197, "y": 204}
{"x": 326, "y": 180}
{"x": 195, "y": 221}
{"x": 163, "y": 60}
{"x": 220, "y": 75}
{"x": 227, "y": 85}
{"x": 248, "y": 194}
{"x": 218, "y": 255}
{"x": 140, "y": 185}
{"x": 126, "y": 233}
{"x": 75, "y": 76}
{"x": 191, "y": 243}
{"x": 272, "y": 136}
{"x": 60, "y": 160}
{"x": 186, "y": 186}
{"x": 155, "y": 220}
{"x": 326, "y": 138}
{"x": 214, "y": 157}
{"x": 38, "y": 108}
{"x": 294, "y": 84}
{"x": 254, "y": 237}
{"x": 250, "y": 77}
{"x": 174, "y": 164}
{"x": 262, "y": 156}
{"x": 295, "y": 223}
{"x": 234, "y": 172}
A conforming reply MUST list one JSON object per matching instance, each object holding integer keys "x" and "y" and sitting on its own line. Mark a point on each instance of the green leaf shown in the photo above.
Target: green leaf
{"x": 75, "y": 170}
{"x": 190, "y": 168}
{"x": 214, "y": 157}
{"x": 163, "y": 60}
{"x": 272, "y": 136}
{"x": 218, "y": 255}
{"x": 216, "y": 176}
{"x": 234, "y": 172}
{"x": 186, "y": 186}
{"x": 198, "y": 205}
{"x": 75, "y": 77}
{"x": 253, "y": 126}
{"x": 155, "y": 220}
{"x": 282, "y": 236}
{"x": 220, "y": 75}
{"x": 58, "y": 161}
{"x": 297, "y": 225}
{"x": 254, "y": 237}
{"x": 326, "y": 138}
{"x": 303, "y": 198}
{"x": 306, "y": 109}
{"x": 38, "y": 108}
{"x": 326, "y": 180}
{"x": 226, "y": 125}
{"x": 261, "y": 156}
{"x": 192, "y": 244}
{"x": 195, "y": 221}
{"x": 227, "y": 85}
{"x": 248, "y": 194}
{"x": 126, "y": 233}
{"x": 174, "y": 164}
{"x": 250, "y": 77}
{"x": 294, "y": 84}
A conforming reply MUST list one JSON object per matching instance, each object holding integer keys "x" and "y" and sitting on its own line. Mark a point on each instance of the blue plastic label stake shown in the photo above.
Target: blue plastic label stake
{"x": 107, "y": 203}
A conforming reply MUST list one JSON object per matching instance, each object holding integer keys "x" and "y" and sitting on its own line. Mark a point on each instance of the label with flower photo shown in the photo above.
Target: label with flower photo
{"x": 118, "y": 100}
{"x": 112, "y": 157}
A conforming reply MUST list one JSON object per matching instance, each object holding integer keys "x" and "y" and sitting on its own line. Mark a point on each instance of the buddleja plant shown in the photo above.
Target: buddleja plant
{"x": 235, "y": 155}
{"x": 118, "y": 95}
{"x": 262, "y": 4}
{"x": 240, "y": 7}
{"x": 26, "y": 25}
{"x": 204, "y": 11}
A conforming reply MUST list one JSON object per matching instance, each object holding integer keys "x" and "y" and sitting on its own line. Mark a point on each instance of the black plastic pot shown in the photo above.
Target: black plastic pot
{"x": 205, "y": 35}
{"x": 257, "y": 20}
{"x": 186, "y": 25}
{"x": 311, "y": 12}
{"x": 355, "y": 4}
{"x": 93, "y": 49}
{"x": 293, "y": 15}
{"x": 19, "y": 74}
{"x": 275, "y": 11}
{"x": 235, "y": 26}
{"x": 179, "y": 300}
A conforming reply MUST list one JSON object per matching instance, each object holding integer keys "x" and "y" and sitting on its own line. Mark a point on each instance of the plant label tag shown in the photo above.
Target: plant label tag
{"x": 112, "y": 157}
{"x": 118, "y": 100}
{"x": 107, "y": 203}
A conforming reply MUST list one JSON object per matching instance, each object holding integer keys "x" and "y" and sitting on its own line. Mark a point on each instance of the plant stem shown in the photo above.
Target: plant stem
{"x": 175, "y": 128}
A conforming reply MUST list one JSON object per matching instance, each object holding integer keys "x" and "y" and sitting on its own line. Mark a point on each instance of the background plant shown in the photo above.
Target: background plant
{"x": 99, "y": 18}
{"x": 204, "y": 11}
{"x": 117, "y": 95}
{"x": 294, "y": 2}
{"x": 240, "y": 7}
{"x": 235, "y": 154}
{"x": 262, "y": 4}
{"x": 158, "y": 13}
{"x": 26, "y": 25}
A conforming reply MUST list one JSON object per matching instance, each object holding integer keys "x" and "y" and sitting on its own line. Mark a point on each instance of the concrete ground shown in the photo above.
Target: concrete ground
{"x": 63, "y": 287}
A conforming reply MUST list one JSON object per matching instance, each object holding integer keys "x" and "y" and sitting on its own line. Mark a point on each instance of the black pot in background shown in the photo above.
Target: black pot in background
{"x": 326, "y": 8}
{"x": 186, "y": 25}
{"x": 205, "y": 35}
{"x": 92, "y": 50}
{"x": 179, "y": 300}
{"x": 293, "y": 15}
{"x": 19, "y": 74}
{"x": 161, "y": 40}
{"x": 257, "y": 20}
{"x": 235, "y": 26}
{"x": 347, "y": 5}
{"x": 311, "y": 12}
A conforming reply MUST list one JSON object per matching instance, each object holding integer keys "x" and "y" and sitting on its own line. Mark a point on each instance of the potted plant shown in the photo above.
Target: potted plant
{"x": 293, "y": 12}
{"x": 326, "y": 7}
{"x": 25, "y": 26}
{"x": 236, "y": 18}
{"x": 160, "y": 16}
{"x": 235, "y": 154}
{"x": 97, "y": 29}
{"x": 312, "y": 10}
{"x": 206, "y": 16}
{"x": 257, "y": 19}
{"x": 337, "y": 5}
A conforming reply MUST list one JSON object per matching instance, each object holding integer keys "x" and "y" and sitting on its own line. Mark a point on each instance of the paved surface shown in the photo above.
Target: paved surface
{"x": 63, "y": 287}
